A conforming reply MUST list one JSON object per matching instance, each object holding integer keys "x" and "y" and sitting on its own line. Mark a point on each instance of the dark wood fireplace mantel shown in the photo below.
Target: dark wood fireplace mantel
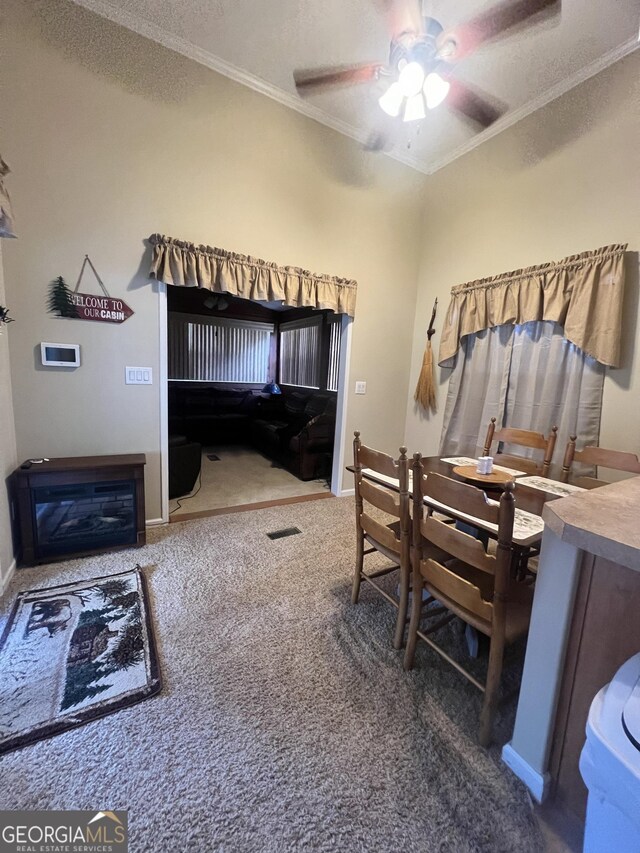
{"x": 77, "y": 506}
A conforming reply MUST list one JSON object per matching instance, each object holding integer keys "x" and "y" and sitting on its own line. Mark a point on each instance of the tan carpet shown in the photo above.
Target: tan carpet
{"x": 286, "y": 721}
{"x": 242, "y": 476}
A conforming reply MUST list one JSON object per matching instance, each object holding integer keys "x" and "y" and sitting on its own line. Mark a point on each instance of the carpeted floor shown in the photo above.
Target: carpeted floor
{"x": 286, "y": 721}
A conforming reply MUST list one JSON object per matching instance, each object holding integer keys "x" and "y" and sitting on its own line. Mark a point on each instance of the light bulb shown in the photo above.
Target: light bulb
{"x": 414, "y": 109}
{"x": 391, "y": 100}
{"x": 411, "y": 79}
{"x": 435, "y": 89}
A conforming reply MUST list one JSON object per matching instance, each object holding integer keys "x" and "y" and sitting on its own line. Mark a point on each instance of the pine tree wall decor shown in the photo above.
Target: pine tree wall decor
{"x": 60, "y": 300}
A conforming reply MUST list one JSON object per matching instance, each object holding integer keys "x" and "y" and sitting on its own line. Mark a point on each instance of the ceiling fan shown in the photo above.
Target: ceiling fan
{"x": 422, "y": 59}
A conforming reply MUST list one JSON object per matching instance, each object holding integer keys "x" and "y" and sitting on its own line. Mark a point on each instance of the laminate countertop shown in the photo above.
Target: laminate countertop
{"x": 603, "y": 521}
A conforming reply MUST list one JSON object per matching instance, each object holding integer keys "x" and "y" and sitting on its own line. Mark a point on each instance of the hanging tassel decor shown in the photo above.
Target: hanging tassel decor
{"x": 425, "y": 389}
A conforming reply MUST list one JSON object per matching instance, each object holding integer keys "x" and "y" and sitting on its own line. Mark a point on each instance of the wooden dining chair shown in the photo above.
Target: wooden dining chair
{"x": 393, "y": 539}
{"x": 523, "y": 438}
{"x": 470, "y": 582}
{"x": 618, "y": 460}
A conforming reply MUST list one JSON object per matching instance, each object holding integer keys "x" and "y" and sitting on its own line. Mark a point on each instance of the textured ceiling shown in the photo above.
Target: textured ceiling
{"x": 261, "y": 42}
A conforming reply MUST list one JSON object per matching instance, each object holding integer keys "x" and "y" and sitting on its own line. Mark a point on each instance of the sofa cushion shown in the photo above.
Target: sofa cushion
{"x": 229, "y": 399}
{"x": 295, "y": 403}
{"x": 198, "y": 402}
{"x": 269, "y": 426}
{"x": 316, "y": 404}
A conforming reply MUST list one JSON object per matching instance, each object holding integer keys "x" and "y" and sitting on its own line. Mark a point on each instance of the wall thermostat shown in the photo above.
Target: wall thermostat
{"x": 60, "y": 355}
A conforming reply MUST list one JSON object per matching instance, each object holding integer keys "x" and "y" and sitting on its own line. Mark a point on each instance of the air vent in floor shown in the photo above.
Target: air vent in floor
{"x": 280, "y": 534}
{"x": 212, "y": 457}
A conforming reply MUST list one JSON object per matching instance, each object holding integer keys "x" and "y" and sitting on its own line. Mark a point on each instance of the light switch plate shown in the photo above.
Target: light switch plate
{"x": 361, "y": 387}
{"x": 138, "y": 376}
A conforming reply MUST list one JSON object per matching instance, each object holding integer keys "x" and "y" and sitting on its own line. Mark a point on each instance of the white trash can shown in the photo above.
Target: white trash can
{"x": 610, "y": 765}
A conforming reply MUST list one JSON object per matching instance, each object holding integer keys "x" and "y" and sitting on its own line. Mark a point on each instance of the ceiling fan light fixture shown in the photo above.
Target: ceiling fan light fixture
{"x": 391, "y": 100}
{"x": 411, "y": 79}
{"x": 414, "y": 109}
{"x": 435, "y": 90}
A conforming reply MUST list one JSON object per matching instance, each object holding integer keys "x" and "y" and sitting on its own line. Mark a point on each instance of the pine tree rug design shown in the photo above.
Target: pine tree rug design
{"x": 72, "y": 653}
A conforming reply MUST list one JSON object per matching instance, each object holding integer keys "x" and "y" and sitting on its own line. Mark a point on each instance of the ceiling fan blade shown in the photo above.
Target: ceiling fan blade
{"x": 460, "y": 41}
{"x": 474, "y": 105}
{"x": 404, "y": 17}
{"x": 307, "y": 80}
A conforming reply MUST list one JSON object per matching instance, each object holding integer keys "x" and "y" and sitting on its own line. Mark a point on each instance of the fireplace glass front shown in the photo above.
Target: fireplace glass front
{"x": 84, "y": 517}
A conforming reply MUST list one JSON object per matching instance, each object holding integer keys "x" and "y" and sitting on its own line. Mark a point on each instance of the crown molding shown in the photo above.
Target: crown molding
{"x": 179, "y": 45}
{"x": 542, "y": 100}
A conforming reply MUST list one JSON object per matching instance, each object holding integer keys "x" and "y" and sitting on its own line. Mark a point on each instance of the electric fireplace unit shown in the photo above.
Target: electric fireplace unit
{"x": 77, "y": 506}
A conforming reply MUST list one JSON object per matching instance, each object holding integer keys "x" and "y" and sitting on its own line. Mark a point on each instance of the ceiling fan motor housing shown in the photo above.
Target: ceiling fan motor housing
{"x": 421, "y": 48}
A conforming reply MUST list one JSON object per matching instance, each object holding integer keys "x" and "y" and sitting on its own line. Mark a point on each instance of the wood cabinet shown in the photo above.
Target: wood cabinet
{"x": 604, "y": 633}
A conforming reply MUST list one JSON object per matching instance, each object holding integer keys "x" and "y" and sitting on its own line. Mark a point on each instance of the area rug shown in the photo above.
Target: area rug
{"x": 72, "y": 653}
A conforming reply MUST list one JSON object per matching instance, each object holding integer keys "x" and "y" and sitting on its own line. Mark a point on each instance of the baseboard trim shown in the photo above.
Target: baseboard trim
{"x": 210, "y": 513}
{"x": 5, "y": 581}
{"x": 347, "y": 493}
{"x": 154, "y": 522}
{"x": 537, "y": 783}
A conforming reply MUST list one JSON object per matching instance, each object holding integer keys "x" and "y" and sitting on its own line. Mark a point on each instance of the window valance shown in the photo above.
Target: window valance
{"x": 583, "y": 293}
{"x": 179, "y": 263}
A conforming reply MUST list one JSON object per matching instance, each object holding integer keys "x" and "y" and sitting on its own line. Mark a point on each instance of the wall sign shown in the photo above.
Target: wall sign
{"x": 76, "y": 305}
{"x": 103, "y": 309}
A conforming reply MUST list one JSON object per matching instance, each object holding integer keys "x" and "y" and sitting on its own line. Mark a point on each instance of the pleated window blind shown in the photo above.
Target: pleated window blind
{"x": 300, "y": 353}
{"x": 335, "y": 332}
{"x": 204, "y": 349}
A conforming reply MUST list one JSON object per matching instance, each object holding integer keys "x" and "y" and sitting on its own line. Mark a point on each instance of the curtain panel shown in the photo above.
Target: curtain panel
{"x": 185, "y": 264}
{"x": 528, "y": 376}
{"x": 582, "y": 293}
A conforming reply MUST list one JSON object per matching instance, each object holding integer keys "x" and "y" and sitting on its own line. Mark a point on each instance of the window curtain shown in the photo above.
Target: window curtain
{"x": 530, "y": 347}
{"x": 527, "y": 376}
{"x": 553, "y": 383}
{"x": 582, "y": 293}
{"x": 477, "y": 390}
{"x": 187, "y": 265}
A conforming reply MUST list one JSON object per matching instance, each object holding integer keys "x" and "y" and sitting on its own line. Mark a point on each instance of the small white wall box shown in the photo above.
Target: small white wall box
{"x": 60, "y": 355}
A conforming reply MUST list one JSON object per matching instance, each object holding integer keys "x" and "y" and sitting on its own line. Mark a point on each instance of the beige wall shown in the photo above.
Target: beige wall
{"x": 565, "y": 180}
{"x": 110, "y": 138}
{"x": 8, "y": 455}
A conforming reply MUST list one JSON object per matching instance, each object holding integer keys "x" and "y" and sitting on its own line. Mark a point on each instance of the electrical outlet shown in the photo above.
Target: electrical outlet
{"x": 138, "y": 376}
{"x": 361, "y": 387}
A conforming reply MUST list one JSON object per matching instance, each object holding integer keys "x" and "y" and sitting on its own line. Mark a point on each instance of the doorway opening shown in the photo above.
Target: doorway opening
{"x": 254, "y": 403}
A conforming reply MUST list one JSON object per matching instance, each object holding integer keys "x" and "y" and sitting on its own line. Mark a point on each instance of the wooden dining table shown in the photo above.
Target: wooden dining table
{"x": 529, "y": 501}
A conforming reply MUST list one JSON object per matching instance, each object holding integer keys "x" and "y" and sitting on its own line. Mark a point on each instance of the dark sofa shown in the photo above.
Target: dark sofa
{"x": 295, "y": 428}
{"x": 211, "y": 415}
